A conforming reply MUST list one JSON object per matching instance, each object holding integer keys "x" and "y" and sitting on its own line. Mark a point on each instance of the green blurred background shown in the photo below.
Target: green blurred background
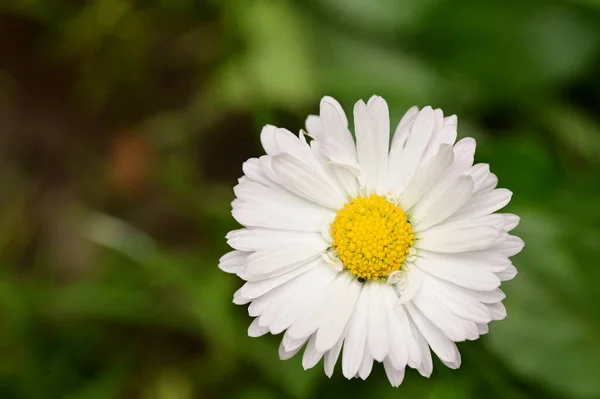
{"x": 123, "y": 126}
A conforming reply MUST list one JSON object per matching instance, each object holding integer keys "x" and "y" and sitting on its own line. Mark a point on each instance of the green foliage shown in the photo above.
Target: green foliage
{"x": 124, "y": 128}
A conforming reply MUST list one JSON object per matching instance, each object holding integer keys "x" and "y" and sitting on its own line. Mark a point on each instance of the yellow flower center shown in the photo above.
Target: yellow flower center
{"x": 371, "y": 236}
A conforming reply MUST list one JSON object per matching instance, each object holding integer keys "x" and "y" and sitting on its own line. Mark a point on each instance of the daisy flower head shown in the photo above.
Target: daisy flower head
{"x": 388, "y": 246}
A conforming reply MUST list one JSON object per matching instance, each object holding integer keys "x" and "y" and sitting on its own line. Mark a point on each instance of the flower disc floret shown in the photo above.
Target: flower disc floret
{"x": 372, "y": 237}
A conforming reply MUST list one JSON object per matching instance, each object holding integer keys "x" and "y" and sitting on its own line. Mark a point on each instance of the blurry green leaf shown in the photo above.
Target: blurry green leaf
{"x": 523, "y": 163}
{"x": 508, "y": 49}
{"x": 41, "y": 10}
{"x": 106, "y": 385}
{"x": 277, "y": 65}
{"x": 170, "y": 384}
{"x": 559, "y": 30}
{"x": 119, "y": 236}
{"x": 546, "y": 337}
{"x": 15, "y": 231}
{"x": 358, "y": 69}
{"x": 96, "y": 20}
{"x": 451, "y": 388}
{"x": 442, "y": 385}
{"x": 381, "y": 16}
{"x": 573, "y": 128}
{"x": 256, "y": 393}
{"x": 595, "y": 3}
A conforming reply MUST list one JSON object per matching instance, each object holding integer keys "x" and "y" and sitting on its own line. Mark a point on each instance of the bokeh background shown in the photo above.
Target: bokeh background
{"x": 123, "y": 126}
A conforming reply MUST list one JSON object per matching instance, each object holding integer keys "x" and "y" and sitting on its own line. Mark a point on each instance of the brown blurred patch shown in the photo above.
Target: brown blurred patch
{"x": 226, "y": 146}
{"x": 129, "y": 159}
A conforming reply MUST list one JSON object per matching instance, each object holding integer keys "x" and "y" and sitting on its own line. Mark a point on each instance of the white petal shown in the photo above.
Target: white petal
{"x": 232, "y": 261}
{"x": 500, "y": 240}
{"x": 443, "y": 347}
{"x": 455, "y": 364}
{"x": 238, "y": 299}
{"x": 314, "y": 285}
{"x": 366, "y": 367}
{"x": 284, "y": 354}
{"x": 337, "y": 311}
{"x": 425, "y": 367}
{"x": 436, "y": 136}
{"x": 259, "y": 305}
{"x": 278, "y": 301}
{"x": 469, "y": 277}
{"x": 378, "y": 337}
{"x": 404, "y": 160}
{"x": 251, "y": 192}
{"x": 312, "y": 318}
{"x": 298, "y": 178}
{"x": 488, "y": 184}
{"x": 253, "y": 170}
{"x": 313, "y": 126}
{"x": 457, "y": 240}
{"x": 396, "y": 376}
{"x": 495, "y": 220}
{"x": 296, "y": 146}
{"x": 510, "y": 221}
{"x": 409, "y": 284}
{"x": 236, "y": 202}
{"x": 412, "y": 344}
{"x": 256, "y": 238}
{"x": 278, "y": 141}
{"x": 332, "y": 356}
{"x": 508, "y": 274}
{"x": 449, "y": 131}
{"x": 379, "y": 115}
{"x": 291, "y": 344}
{"x": 311, "y": 355}
{"x": 271, "y": 262}
{"x": 337, "y": 146}
{"x": 426, "y": 177}
{"x": 398, "y": 354}
{"x": 267, "y": 139}
{"x": 367, "y": 145}
{"x": 248, "y": 190}
{"x": 483, "y": 329}
{"x": 498, "y": 310}
{"x": 494, "y": 296}
{"x": 481, "y": 296}
{"x": 335, "y": 128}
{"x": 437, "y": 205}
{"x": 464, "y": 153}
{"x": 479, "y": 173}
{"x": 434, "y": 310}
{"x": 347, "y": 178}
{"x": 484, "y": 203}
{"x": 255, "y": 330}
{"x": 512, "y": 246}
{"x": 254, "y": 289}
{"x": 489, "y": 260}
{"x": 344, "y": 167}
{"x": 355, "y": 343}
{"x": 276, "y": 310}
{"x": 396, "y": 157}
{"x": 403, "y": 128}
{"x": 459, "y": 303}
{"x": 340, "y": 111}
{"x": 278, "y": 217}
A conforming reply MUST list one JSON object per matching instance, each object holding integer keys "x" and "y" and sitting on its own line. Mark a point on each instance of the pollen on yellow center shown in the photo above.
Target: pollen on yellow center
{"x": 371, "y": 236}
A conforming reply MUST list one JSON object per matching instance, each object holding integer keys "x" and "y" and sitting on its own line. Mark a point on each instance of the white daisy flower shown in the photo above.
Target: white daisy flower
{"x": 387, "y": 249}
